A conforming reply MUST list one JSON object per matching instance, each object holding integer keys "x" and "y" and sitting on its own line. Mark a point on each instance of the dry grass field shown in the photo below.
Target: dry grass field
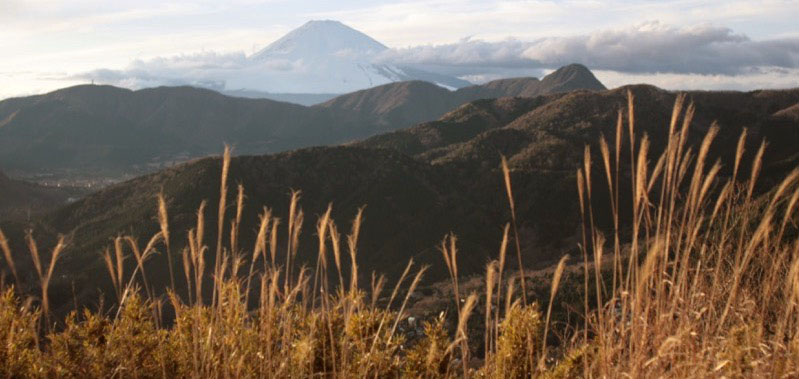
{"x": 703, "y": 283}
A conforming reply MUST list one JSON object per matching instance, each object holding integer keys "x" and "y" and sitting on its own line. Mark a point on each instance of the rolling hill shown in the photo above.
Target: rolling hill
{"x": 105, "y": 131}
{"x": 413, "y": 102}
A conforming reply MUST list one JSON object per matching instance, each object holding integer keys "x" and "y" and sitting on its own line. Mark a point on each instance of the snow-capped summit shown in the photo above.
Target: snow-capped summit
{"x": 325, "y": 57}
{"x": 321, "y": 39}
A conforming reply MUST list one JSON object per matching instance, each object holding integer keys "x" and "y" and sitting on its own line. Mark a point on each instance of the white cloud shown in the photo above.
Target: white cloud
{"x": 657, "y": 48}
{"x": 650, "y": 47}
{"x": 767, "y": 78}
{"x": 79, "y": 36}
{"x": 466, "y": 52}
{"x": 701, "y": 56}
{"x": 208, "y": 69}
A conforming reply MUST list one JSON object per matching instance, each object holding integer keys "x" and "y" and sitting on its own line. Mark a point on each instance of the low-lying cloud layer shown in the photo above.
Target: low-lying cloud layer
{"x": 208, "y": 70}
{"x": 649, "y": 48}
{"x": 645, "y": 48}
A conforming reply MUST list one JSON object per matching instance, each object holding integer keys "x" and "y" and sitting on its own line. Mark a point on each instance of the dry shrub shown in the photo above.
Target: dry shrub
{"x": 517, "y": 348}
{"x": 19, "y": 350}
{"x": 430, "y": 357}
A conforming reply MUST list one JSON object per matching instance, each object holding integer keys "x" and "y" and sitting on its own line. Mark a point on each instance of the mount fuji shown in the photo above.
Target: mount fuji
{"x": 324, "y": 57}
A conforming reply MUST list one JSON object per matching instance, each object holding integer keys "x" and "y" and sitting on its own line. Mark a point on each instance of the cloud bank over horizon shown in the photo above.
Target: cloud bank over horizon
{"x": 705, "y": 44}
{"x": 700, "y": 56}
{"x": 645, "y": 48}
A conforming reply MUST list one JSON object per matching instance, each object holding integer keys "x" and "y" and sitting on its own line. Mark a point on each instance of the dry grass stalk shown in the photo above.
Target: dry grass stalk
{"x": 163, "y": 222}
{"x": 295, "y": 198}
{"x": 512, "y": 204}
{"x": 45, "y": 275}
{"x": 352, "y": 245}
{"x": 503, "y": 247}
{"x": 9, "y": 257}
{"x": 491, "y": 269}
{"x": 553, "y": 291}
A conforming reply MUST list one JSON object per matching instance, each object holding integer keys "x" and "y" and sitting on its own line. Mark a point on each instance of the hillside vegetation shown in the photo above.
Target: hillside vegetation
{"x": 696, "y": 275}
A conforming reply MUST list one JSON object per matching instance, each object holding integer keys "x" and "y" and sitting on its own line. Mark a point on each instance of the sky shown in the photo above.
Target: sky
{"x": 675, "y": 44}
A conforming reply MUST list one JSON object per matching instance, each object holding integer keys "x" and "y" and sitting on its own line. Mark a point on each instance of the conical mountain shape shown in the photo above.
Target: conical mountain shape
{"x": 322, "y": 40}
{"x": 569, "y": 78}
{"x": 326, "y": 57}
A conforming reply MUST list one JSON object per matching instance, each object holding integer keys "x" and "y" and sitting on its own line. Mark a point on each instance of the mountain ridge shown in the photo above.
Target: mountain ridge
{"x": 105, "y": 129}
{"x": 431, "y": 102}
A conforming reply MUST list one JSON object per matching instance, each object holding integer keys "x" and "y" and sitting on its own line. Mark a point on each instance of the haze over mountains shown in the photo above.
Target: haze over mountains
{"x": 103, "y": 130}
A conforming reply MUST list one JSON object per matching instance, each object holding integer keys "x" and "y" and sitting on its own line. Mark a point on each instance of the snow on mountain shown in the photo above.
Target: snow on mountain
{"x": 325, "y": 57}
{"x": 319, "y": 40}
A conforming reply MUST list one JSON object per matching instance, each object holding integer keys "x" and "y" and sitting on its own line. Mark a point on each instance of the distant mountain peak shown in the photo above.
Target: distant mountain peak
{"x": 321, "y": 38}
{"x": 327, "y": 57}
{"x": 330, "y": 23}
{"x": 326, "y": 25}
{"x": 574, "y": 68}
{"x": 571, "y": 77}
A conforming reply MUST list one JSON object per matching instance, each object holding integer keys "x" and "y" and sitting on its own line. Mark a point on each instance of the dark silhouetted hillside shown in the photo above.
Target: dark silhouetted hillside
{"x": 19, "y": 200}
